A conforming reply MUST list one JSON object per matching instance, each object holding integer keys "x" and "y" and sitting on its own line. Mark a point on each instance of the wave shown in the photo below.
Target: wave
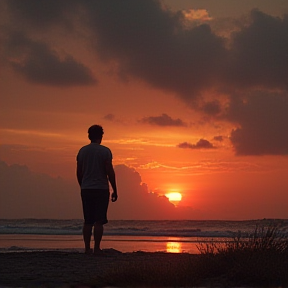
{"x": 119, "y": 232}
{"x": 13, "y": 249}
{"x": 185, "y": 228}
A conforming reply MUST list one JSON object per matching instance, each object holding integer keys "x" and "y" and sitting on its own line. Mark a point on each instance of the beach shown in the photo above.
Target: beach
{"x": 57, "y": 269}
{"x": 137, "y": 269}
{"x": 50, "y": 253}
{"x": 123, "y": 235}
{"x": 59, "y": 261}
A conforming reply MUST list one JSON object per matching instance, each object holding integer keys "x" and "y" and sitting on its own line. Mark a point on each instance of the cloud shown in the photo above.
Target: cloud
{"x": 197, "y": 14}
{"x": 211, "y": 107}
{"x": 258, "y": 54}
{"x": 26, "y": 194}
{"x": 154, "y": 44}
{"x": 163, "y": 120}
{"x": 263, "y": 120}
{"x": 201, "y": 144}
{"x": 42, "y": 14}
{"x": 137, "y": 202}
{"x": 109, "y": 117}
{"x": 38, "y": 63}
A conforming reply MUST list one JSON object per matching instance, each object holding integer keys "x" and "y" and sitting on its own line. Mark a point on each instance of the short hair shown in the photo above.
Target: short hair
{"x": 95, "y": 132}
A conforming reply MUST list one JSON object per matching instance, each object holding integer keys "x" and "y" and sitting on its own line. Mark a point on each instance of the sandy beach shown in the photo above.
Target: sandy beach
{"x": 140, "y": 269}
{"x": 61, "y": 269}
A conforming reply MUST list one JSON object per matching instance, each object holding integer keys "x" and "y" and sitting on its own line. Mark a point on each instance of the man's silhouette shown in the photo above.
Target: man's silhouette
{"x": 94, "y": 172}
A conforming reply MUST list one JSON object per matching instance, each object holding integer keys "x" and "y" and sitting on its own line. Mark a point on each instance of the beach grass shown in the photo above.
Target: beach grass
{"x": 261, "y": 260}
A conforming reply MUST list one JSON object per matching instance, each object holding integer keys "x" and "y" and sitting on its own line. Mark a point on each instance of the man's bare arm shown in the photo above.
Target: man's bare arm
{"x": 79, "y": 174}
{"x": 112, "y": 179}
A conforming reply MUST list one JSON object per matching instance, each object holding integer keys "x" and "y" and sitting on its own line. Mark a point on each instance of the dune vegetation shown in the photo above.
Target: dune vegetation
{"x": 261, "y": 259}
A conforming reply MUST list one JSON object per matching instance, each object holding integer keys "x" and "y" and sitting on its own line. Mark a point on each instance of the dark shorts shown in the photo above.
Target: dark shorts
{"x": 95, "y": 205}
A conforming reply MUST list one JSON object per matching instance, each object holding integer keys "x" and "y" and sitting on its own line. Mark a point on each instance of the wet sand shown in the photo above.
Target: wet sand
{"x": 75, "y": 242}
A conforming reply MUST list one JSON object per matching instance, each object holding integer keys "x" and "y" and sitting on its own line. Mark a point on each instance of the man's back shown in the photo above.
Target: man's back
{"x": 92, "y": 159}
{"x": 94, "y": 172}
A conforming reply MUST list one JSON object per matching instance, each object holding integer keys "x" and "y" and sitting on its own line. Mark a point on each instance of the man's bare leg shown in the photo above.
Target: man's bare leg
{"x": 98, "y": 233}
{"x": 87, "y": 231}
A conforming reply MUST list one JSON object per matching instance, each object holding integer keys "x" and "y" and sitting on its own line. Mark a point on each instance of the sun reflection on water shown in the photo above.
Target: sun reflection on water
{"x": 173, "y": 247}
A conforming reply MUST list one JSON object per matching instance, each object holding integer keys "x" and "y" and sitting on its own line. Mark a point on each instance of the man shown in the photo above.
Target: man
{"x": 94, "y": 172}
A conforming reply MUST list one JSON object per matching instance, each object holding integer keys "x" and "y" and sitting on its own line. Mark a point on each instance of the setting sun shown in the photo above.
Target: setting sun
{"x": 174, "y": 196}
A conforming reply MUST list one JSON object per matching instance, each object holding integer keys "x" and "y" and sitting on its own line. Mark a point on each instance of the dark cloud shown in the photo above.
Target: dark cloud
{"x": 109, "y": 117}
{"x": 163, "y": 120}
{"x": 42, "y": 14}
{"x": 201, "y": 144}
{"x": 137, "y": 202}
{"x": 263, "y": 120}
{"x": 38, "y": 63}
{"x": 152, "y": 43}
{"x": 25, "y": 194}
{"x": 147, "y": 41}
{"x": 211, "y": 107}
{"x": 258, "y": 54}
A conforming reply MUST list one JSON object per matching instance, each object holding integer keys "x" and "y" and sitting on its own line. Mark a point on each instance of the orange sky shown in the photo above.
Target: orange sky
{"x": 192, "y": 98}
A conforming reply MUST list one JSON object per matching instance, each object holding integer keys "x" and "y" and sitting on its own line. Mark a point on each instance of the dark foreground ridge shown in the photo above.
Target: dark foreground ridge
{"x": 62, "y": 269}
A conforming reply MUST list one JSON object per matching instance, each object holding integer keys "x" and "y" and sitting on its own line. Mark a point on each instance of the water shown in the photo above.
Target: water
{"x": 123, "y": 235}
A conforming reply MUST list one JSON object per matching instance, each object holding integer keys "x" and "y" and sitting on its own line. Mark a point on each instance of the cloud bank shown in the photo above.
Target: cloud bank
{"x": 39, "y": 64}
{"x": 25, "y": 194}
{"x": 263, "y": 123}
{"x": 154, "y": 44}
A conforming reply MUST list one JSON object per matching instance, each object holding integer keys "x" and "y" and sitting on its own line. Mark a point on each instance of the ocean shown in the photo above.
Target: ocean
{"x": 173, "y": 236}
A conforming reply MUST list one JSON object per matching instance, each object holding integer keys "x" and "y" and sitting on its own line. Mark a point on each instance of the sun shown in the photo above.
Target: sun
{"x": 174, "y": 196}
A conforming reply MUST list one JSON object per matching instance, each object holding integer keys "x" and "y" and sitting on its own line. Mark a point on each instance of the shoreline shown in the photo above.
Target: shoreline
{"x": 124, "y": 244}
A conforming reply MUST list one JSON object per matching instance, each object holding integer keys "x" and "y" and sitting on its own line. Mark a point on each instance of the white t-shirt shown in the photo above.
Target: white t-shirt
{"x": 92, "y": 158}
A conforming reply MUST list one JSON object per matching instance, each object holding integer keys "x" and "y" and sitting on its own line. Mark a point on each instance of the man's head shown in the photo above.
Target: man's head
{"x": 95, "y": 133}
